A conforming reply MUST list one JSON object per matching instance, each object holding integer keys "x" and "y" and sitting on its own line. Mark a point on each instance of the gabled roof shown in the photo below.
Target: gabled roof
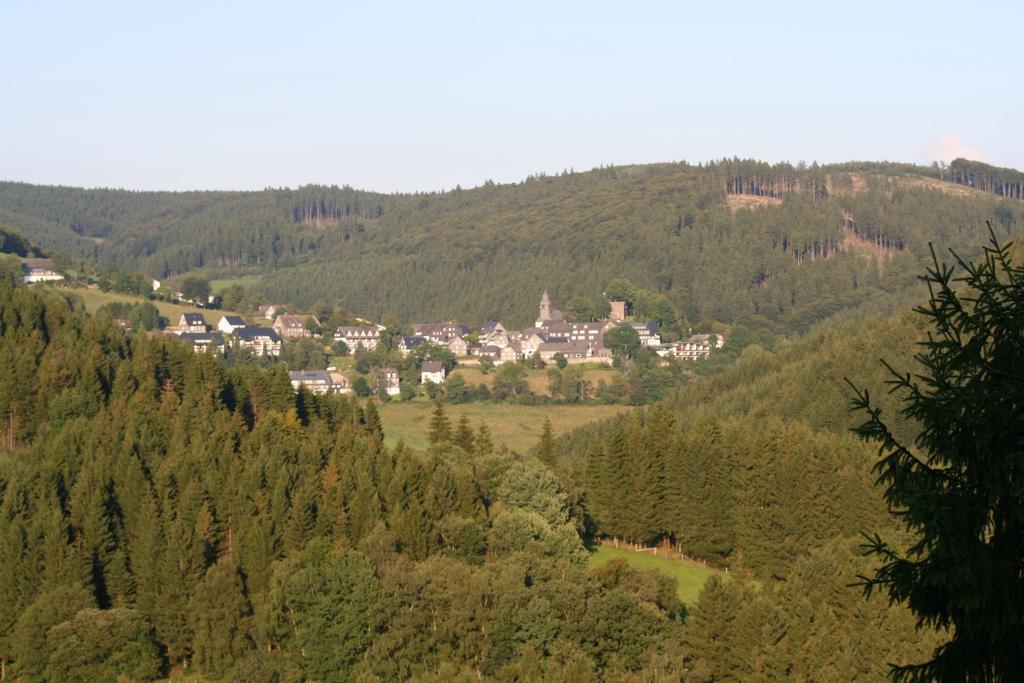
{"x": 203, "y": 338}
{"x": 295, "y": 320}
{"x": 650, "y": 327}
{"x": 256, "y": 333}
{"x": 37, "y": 264}
{"x": 347, "y": 330}
{"x": 571, "y": 347}
{"x": 432, "y": 366}
{"x": 430, "y": 329}
{"x": 411, "y": 341}
{"x": 194, "y": 318}
{"x": 490, "y": 326}
{"x": 310, "y": 376}
{"x": 556, "y": 327}
{"x": 234, "y": 320}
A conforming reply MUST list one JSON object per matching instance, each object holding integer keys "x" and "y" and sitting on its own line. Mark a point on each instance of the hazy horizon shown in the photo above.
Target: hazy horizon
{"x": 418, "y": 99}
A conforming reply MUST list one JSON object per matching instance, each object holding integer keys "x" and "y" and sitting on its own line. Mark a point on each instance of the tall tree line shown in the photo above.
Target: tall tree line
{"x": 161, "y": 512}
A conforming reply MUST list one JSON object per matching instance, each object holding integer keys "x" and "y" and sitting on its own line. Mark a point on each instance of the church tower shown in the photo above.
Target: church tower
{"x": 545, "y": 309}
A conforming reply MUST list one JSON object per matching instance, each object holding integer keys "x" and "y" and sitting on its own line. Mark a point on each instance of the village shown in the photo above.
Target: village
{"x": 438, "y": 347}
{"x": 551, "y": 340}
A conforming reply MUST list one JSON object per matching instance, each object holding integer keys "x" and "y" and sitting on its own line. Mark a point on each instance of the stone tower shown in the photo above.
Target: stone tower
{"x": 545, "y": 308}
{"x": 618, "y": 310}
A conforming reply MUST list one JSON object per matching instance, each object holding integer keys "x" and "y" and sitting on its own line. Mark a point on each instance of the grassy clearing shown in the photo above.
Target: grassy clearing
{"x": 94, "y": 299}
{"x": 515, "y": 426}
{"x": 537, "y": 379}
{"x": 220, "y": 284}
{"x": 690, "y": 576}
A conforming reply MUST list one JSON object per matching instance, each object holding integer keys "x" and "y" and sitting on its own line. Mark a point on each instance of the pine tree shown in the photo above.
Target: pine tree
{"x": 440, "y": 427}
{"x": 219, "y": 613}
{"x": 958, "y": 488}
{"x": 374, "y": 427}
{"x": 546, "y": 449}
{"x": 484, "y": 442}
{"x": 464, "y": 434}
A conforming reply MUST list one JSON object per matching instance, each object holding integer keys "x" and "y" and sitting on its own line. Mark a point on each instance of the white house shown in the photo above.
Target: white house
{"x": 432, "y": 371}
{"x": 407, "y": 344}
{"x": 229, "y": 323}
{"x": 201, "y": 341}
{"x": 650, "y": 334}
{"x": 388, "y": 380}
{"x": 262, "y": 341}
{"x": 319, "y": 381}
{"x": 360, "y": 336}
{"x": 192, "y": 322}
{"x": 39, "y": 270}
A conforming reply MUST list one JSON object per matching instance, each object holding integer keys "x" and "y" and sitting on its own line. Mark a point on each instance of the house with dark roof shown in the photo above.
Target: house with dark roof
{"x": 494, "y": 333}
{"x": 439, "y": 333}
{"x": 432, "y": 371}
{"x": 650, "y": 333}
{"x": 358, "y": 337}
{"x": 407, "y": 344}
{"x": 229, "y": 323}
{"x": 319, "y": 381}
{"x": 574, "y": 352}
{"x": 203, "y": 341}
{"x": 295, "y": 326}
{"x": 388, "y": 381}
{"x": 458, "y": 346}
{"x": 192, "y": 322}
{"x": 492, "y": 327}
{"x": 261, "y": 341}
{"x": 39, "y": 270}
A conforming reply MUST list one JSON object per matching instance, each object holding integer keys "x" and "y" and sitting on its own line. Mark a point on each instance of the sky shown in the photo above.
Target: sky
{"x": 420, "y": 96}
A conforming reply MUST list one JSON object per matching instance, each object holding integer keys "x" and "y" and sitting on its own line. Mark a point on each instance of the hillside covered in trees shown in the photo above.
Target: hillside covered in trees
{"x": 755, "y": 469}
{"x": 160, "y": 511}
{"x": 775, "y": 247}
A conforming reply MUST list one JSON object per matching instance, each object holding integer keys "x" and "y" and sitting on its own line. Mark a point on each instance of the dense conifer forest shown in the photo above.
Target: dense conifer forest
{"x": 776, "y": 247}
{"x": 161, "y": 512}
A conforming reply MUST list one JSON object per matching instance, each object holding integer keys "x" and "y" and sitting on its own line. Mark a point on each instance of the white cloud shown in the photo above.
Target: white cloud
{"x": 951, "y": 146}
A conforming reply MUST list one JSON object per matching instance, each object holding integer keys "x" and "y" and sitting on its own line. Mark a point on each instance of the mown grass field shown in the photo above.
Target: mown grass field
{"x": 690, "y": 576}
{"x": 536, "y": 379}
{"x": 94, "y": 299}
{"x": 220, "y": 284}
{"x": 515, "y": 426}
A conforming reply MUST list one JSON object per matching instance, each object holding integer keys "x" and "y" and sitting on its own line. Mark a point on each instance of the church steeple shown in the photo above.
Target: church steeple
{"x": 545, "y": 308}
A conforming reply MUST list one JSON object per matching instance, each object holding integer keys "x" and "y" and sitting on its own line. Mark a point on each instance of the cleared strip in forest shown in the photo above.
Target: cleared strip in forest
{"x": 690, "y": 576}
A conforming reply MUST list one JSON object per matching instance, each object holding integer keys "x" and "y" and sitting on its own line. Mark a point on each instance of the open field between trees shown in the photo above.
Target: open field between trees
{"x": 94, "y": 299}
{"x": 690, "y": 576}
{"x": 515, "y": 426}
{"x": 218, "y": 285}
{"x": 538, "y": 379}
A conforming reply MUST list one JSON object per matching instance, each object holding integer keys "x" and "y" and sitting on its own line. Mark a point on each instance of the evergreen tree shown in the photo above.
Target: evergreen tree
{"x": 546, "y": 447}
{"x": 957, "y": 489}
{"x": 484, "y": 442}
{"x": 440, "y": 427}
{"x": 464, "y": 437}
{"x": 220, "y": 612}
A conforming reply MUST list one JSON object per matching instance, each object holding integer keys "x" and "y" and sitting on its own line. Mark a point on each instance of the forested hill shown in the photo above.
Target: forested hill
{"x": 775, "y": 247}
{"x": 163, "y": 515}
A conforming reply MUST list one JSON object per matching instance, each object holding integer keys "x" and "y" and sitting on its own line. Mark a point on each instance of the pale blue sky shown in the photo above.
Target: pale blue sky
{"x": 421, "y": 96}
